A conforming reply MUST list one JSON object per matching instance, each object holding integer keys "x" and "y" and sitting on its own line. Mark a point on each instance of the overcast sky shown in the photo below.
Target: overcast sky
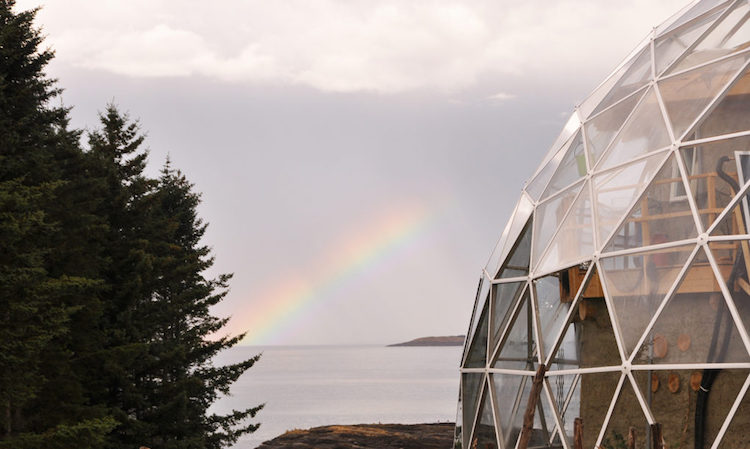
{"x": 358, "y": 158}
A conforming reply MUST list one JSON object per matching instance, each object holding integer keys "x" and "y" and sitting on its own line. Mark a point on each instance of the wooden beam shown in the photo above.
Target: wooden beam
{"x": 631, "y": 438}
{"x": 528, "y": 416}
{"x": 656, "y": 436}
{"x": 578, "y": 433}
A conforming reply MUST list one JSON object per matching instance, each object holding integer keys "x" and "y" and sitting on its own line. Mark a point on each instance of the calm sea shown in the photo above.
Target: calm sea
{"x": 307, "y": 386}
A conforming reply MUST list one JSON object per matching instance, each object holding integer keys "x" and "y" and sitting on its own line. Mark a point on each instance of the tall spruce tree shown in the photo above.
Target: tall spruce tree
{"x": 104, "y": 307}
{"x": 155, "y": 374}
{"x": 189, "y": 383}
{"x": 38, "y": 296}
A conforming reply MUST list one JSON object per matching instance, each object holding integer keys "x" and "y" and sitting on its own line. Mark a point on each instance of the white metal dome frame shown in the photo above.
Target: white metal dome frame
{"x": 634, "y": 197}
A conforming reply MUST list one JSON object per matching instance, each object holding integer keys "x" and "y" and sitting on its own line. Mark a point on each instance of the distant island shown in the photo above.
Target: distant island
{"x": 451, "y": 340}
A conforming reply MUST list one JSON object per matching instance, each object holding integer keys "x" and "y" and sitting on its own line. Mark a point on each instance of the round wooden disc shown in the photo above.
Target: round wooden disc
{"x": 683, "y": 342}
{"x": 654, "y": 383}
{"x": 695, "y": 380}
{"x": 673, "y": 383}
{"x": 661, "y": 347}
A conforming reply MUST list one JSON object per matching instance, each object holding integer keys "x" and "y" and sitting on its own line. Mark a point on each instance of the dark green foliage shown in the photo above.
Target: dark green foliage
{"x": 34, "y": 312}
{"x": 90, "y": 433}
{"x": 104, "y": 307}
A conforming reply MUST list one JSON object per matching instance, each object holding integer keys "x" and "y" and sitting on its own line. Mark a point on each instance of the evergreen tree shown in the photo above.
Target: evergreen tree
{"x": 188, "y": 383}
{"x": 104, "y": 308}
{"x": 155, "y": 374}
{"x": 37, "y": 296}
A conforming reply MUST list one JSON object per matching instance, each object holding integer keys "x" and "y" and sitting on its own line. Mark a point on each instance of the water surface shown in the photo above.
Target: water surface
{"x": 307, "y": 386}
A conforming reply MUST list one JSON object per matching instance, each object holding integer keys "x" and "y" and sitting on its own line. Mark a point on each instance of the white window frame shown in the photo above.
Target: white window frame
{"x": 692, "y": 167}
{"x": 742, "y": 179}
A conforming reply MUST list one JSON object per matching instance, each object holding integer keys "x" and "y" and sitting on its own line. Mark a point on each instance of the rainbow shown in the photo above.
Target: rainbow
{"x": 275, "y": 312}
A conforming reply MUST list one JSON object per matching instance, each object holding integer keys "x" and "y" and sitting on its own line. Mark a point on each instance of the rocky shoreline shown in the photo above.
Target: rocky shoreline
{"x": 369, "y": 436}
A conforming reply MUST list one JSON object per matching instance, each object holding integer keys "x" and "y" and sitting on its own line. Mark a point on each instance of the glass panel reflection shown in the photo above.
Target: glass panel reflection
{"x": 600, "y": 130}
{"x": 518, "y": 350}
{"x": 637, "y": 284}
{"x": 504, "y": 299}
{"x": 548, "y": 217}
{"x": 687, "y": 94}
{"x": 661, "y": 215}
{"x": 644, "y": 132}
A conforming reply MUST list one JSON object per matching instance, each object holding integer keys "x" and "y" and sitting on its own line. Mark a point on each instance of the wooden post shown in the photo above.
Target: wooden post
{"x": 631, "y": 438}
{"x": 528, "y": 416}
{"x": 656, "y": 437}
{"x": 578, "y": 433}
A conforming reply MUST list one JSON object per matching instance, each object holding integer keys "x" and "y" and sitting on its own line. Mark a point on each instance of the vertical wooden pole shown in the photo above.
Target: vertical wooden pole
{"x": 631, "y": 438}
{"x": 578, "y": 433}
{"x": 656, "y": 437}
{"x": 528, "y": 416}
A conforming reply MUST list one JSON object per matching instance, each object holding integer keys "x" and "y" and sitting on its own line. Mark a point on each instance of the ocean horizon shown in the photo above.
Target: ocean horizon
{"x": 307, "y": 386}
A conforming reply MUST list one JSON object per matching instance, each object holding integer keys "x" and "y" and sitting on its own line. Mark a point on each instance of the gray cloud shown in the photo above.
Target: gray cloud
{"x": 381, "y": 46}
{"x": 303, "y": 123}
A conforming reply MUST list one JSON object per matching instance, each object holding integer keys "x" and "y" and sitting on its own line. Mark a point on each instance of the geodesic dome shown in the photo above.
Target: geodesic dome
{"x": 622, "y": 279}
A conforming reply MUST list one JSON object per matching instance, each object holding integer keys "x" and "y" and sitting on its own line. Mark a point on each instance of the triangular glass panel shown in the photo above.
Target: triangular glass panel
{"x": 517, "y": 262}
{"x": 571, "y": 126}
{"x": 563, "y": 389}
{"x": 696, "y": 325}
{"x": 483, "y": 294}
{"x": 699, "y": 9}
{"x": 571, "y": 168}
{"x": 636, "y": 75}
{"x": 637, "y": 284}
{"x": 713, "y": 175}
{"x": 538, "y": 184}
{"x": 687, "y": 94}
{"x": 589, "y": 400}
{"x": 458, "y": 435}
{"x": 484, "y": 435}
{"x": 730, "y": 115}
{"x": 511, "y": 402}
{"x": 671, "y": 397}
{"x": 616, "y": 191}
{"x": 737, "y": 434}
{"x": 601, "y": 129}
{"x": 589, "y": 338}
{"x": 518, "y": 348}
{"x": 554, "y": 297}
{"x": 626, "y": 414}
{"x": 730, "y": 35}
{"x": 574, "y": 242}
{"x": 471, "y": 388}
{"x": 504, "y": 299}
{"x": 587, "y": 107}
{"x": 733, "y": 260}
{"x": 661, "y": 215}
{"x": 644, "y": 132}
{"x": 548, "y": 217}
{"x": 671, "y": 45}
{"x": 514, "y": 227}
{"x": 477, "y": 355}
